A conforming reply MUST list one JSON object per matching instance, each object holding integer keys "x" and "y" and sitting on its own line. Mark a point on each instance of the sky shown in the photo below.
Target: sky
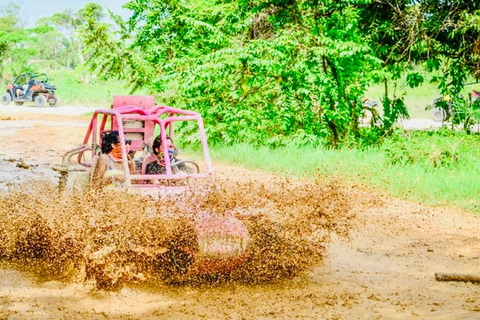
{"x": 31, "y": 10}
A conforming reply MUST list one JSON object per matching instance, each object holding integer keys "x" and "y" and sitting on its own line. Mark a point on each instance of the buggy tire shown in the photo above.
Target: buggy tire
{"x": 438, "y": 114}
{"x": 6, "y": 99}
{"x": 40, "y": 100}
{"x": 53, "y": 102}
{"x": 19, "y": 103}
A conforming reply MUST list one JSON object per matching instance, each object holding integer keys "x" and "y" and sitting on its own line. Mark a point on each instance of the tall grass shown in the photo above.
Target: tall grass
{"x": 431, "y": 168}
{"x": 77, "y": 88}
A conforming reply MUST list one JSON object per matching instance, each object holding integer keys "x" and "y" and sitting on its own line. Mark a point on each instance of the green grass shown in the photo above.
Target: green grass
{"x": 432, "y": 168}
{"x": 73, "y": 89}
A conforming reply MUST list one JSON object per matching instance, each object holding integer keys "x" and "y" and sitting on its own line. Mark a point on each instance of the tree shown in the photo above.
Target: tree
{"x": 14, "y": 52}
{"x": 70, "y": 24}
{"x": 257, "y": 71}
{"x": 276, "y": 71}
{"x": 48, "y": 42}
{"x": 445, "y": 35}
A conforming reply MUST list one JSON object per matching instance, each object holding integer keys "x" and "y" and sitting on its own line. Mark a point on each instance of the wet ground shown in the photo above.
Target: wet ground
{"x": 384, "y": 269}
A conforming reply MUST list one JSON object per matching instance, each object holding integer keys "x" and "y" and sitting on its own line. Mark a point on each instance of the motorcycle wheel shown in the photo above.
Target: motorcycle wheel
{"x": 438, "y": 114}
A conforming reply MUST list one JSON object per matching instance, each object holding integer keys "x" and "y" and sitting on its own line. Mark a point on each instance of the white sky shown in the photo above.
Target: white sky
{"x": 31, "y": 10}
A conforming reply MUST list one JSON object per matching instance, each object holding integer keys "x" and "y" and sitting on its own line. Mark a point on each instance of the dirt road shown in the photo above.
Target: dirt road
{"x": 384, "y": 270}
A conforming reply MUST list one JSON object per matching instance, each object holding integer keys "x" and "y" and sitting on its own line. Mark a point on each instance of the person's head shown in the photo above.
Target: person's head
{"x": 110, "y": 140}
{"x": 157, "y": 145}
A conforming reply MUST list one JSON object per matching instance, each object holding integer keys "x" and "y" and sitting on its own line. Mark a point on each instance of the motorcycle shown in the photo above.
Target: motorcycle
{"x": 443, "y": 107}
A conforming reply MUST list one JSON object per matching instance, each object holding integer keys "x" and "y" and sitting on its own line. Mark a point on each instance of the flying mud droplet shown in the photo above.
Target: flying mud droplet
{"x": 241, "y": 232}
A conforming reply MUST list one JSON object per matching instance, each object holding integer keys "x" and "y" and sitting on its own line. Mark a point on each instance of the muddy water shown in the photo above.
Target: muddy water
{"x": 110, "y": 240}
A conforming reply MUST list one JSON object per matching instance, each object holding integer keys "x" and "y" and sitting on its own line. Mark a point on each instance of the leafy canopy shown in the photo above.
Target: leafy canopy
{"x": 281, "y": 71}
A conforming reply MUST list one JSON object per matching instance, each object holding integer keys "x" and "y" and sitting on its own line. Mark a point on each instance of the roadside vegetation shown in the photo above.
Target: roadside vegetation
{"x": 80, "y": 89}
{"x": 436, "y": 168}
{"x": 280, "y": 84}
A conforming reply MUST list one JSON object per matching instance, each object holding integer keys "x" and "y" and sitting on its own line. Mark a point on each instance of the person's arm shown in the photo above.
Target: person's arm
{"x": 131, "y": 164}
{"x": 100, "y": 168}
{"x": 93, "y": 166}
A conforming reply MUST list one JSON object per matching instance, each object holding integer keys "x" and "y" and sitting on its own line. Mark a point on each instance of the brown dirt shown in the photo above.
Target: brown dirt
{"x": 385, "y": 269}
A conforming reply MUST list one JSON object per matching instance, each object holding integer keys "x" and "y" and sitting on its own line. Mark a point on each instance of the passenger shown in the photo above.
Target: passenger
{"x": 108, "y": 170}
{"x": 158, "y": 165}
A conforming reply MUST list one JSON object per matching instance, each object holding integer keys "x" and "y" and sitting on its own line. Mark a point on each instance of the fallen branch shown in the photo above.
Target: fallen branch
{"x": 457, "y": 277}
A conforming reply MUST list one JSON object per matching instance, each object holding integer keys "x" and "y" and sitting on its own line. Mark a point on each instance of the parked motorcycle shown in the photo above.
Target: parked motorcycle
{"x": 369, "y": 111}
{"x": 443, "y": 107}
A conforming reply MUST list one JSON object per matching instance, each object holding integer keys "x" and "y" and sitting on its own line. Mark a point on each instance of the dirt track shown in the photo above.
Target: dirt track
{"x": 385, "y": 270}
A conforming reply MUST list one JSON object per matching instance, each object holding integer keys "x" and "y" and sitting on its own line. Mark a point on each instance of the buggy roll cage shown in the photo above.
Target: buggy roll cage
{"x": 135, "y": 118}
{"x": 29, "y": 76}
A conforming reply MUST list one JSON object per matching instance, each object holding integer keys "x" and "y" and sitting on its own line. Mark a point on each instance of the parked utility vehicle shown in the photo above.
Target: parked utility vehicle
{"x": 31, "y": 87}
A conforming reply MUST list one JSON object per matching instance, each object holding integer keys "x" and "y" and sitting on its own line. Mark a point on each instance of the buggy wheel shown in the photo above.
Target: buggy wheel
{"x": 53, "y": 102}
{"x": 438, "y": 114}
{"x": 40, "y": 100}
{"x": 6, "y": 98}
{"x": 19, "y": 103}
{"x": 185, "y": 166}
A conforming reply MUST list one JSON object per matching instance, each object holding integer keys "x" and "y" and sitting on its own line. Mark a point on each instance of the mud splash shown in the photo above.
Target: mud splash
{"x": 110, "y": 239}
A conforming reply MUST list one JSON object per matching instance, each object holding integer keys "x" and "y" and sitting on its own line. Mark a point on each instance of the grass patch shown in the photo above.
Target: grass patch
{"x": 436, "y": 168}
{"x": 76, "y": 89}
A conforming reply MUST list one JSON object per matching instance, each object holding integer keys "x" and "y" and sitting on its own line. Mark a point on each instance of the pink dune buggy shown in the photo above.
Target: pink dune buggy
{"x": 222, "y": 241}
{"x": 138, "y": 121}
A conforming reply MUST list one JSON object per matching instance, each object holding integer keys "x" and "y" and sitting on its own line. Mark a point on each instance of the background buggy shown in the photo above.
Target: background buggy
{"x": 31, "y": 87}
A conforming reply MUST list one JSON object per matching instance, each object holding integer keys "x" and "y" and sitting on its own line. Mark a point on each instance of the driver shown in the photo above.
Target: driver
{"x": 20, "y": 90}
{"x": 107, "y": 169}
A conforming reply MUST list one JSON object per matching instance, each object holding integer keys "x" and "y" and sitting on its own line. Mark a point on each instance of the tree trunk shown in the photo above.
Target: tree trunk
{"x": 80, "y": 55}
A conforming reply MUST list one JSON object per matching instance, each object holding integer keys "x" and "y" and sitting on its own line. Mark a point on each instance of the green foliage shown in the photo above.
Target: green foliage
{"x": 259, "y": 72}
{"x": 459, "y": 108}
{"x": 429, "y": 149}
{"x": 392, "y": 110}
{"x": 13, "y": 51}
{"x": 414, "y": 79}
{"x": 52, "y": 44}
{"x": 266, "y": 72}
